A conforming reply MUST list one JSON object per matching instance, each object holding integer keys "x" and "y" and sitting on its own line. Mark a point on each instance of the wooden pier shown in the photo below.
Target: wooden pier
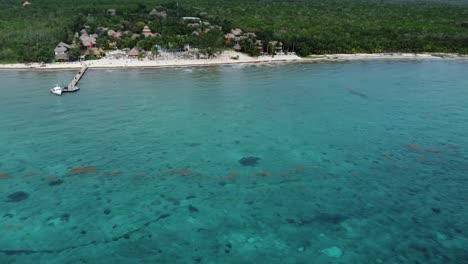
{"x": 71, "y": 87}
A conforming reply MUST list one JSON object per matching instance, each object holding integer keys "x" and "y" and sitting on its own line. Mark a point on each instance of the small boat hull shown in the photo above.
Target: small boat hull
{"x": 56, "y": 90}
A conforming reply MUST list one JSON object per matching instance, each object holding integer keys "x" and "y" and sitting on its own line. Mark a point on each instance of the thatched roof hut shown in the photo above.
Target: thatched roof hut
{"x": 88, "y": 41}
{"x": 62, "y": 57}
{"x": 133, "y": 53}
{"x": 62, "y": 48}
{"x": 147, "y": 32}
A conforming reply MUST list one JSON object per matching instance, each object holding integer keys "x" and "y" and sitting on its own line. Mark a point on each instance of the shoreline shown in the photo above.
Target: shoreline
{"x": 226, "y": 59}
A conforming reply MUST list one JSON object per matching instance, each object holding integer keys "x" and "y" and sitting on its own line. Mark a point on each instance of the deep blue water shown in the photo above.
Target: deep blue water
{"x": 362, "y": 162}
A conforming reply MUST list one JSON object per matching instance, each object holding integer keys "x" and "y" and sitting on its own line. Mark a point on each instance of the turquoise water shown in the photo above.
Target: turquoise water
{"x": 362, "y": 162}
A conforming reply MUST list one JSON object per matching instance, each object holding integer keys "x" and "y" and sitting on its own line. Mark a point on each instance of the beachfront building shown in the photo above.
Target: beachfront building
{"x": 134, "y": 53}
{"x": 88, "y": 41}
{"x": 61, "y": 52}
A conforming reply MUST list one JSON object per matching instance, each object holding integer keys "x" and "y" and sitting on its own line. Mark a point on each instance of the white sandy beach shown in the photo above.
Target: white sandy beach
{"x": 224, "y": 58}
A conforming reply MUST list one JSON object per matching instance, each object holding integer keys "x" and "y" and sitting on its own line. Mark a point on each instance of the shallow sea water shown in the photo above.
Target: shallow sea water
{"x": 362, "y": 162}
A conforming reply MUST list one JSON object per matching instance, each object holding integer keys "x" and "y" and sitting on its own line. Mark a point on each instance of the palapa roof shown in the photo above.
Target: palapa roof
{"x": 134, "y": 52}
{"x": 147, "y": 31}
{"x": 62, "y": 48}
{"x": 62, "y": 44}
{"x": 88, "y": 40}
{"x": 62, "y": 57}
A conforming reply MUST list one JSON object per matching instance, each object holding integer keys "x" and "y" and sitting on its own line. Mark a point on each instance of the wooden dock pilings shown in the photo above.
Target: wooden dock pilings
{"x": 71, "y": 87}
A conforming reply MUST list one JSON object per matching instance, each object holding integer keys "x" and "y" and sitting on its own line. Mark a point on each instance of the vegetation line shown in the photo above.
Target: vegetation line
{"x": 30, "y": 33}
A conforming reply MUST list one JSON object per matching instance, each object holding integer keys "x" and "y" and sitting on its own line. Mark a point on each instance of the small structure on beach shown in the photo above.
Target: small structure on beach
{"x": 61, "y": 52}
{"x": 26, "y": 3}
{"x": 134, "y": 53}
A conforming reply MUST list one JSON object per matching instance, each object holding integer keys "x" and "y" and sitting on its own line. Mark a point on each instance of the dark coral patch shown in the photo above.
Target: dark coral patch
{"x": 18, "y": 197}
{"x": 192, "y": 209}
{"x": 249, "y": 161}
{"x": 55, "y": 182}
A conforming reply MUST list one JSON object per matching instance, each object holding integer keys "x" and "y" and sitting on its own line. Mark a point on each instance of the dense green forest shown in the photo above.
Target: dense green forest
{"x": 307, "y": 27}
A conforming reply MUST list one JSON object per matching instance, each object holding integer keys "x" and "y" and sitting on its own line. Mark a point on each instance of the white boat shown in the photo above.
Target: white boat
{"x": 56, "y": 90}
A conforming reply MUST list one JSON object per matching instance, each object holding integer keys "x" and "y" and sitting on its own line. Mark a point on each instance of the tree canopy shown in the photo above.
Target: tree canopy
{"x": 307, "y": 27}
